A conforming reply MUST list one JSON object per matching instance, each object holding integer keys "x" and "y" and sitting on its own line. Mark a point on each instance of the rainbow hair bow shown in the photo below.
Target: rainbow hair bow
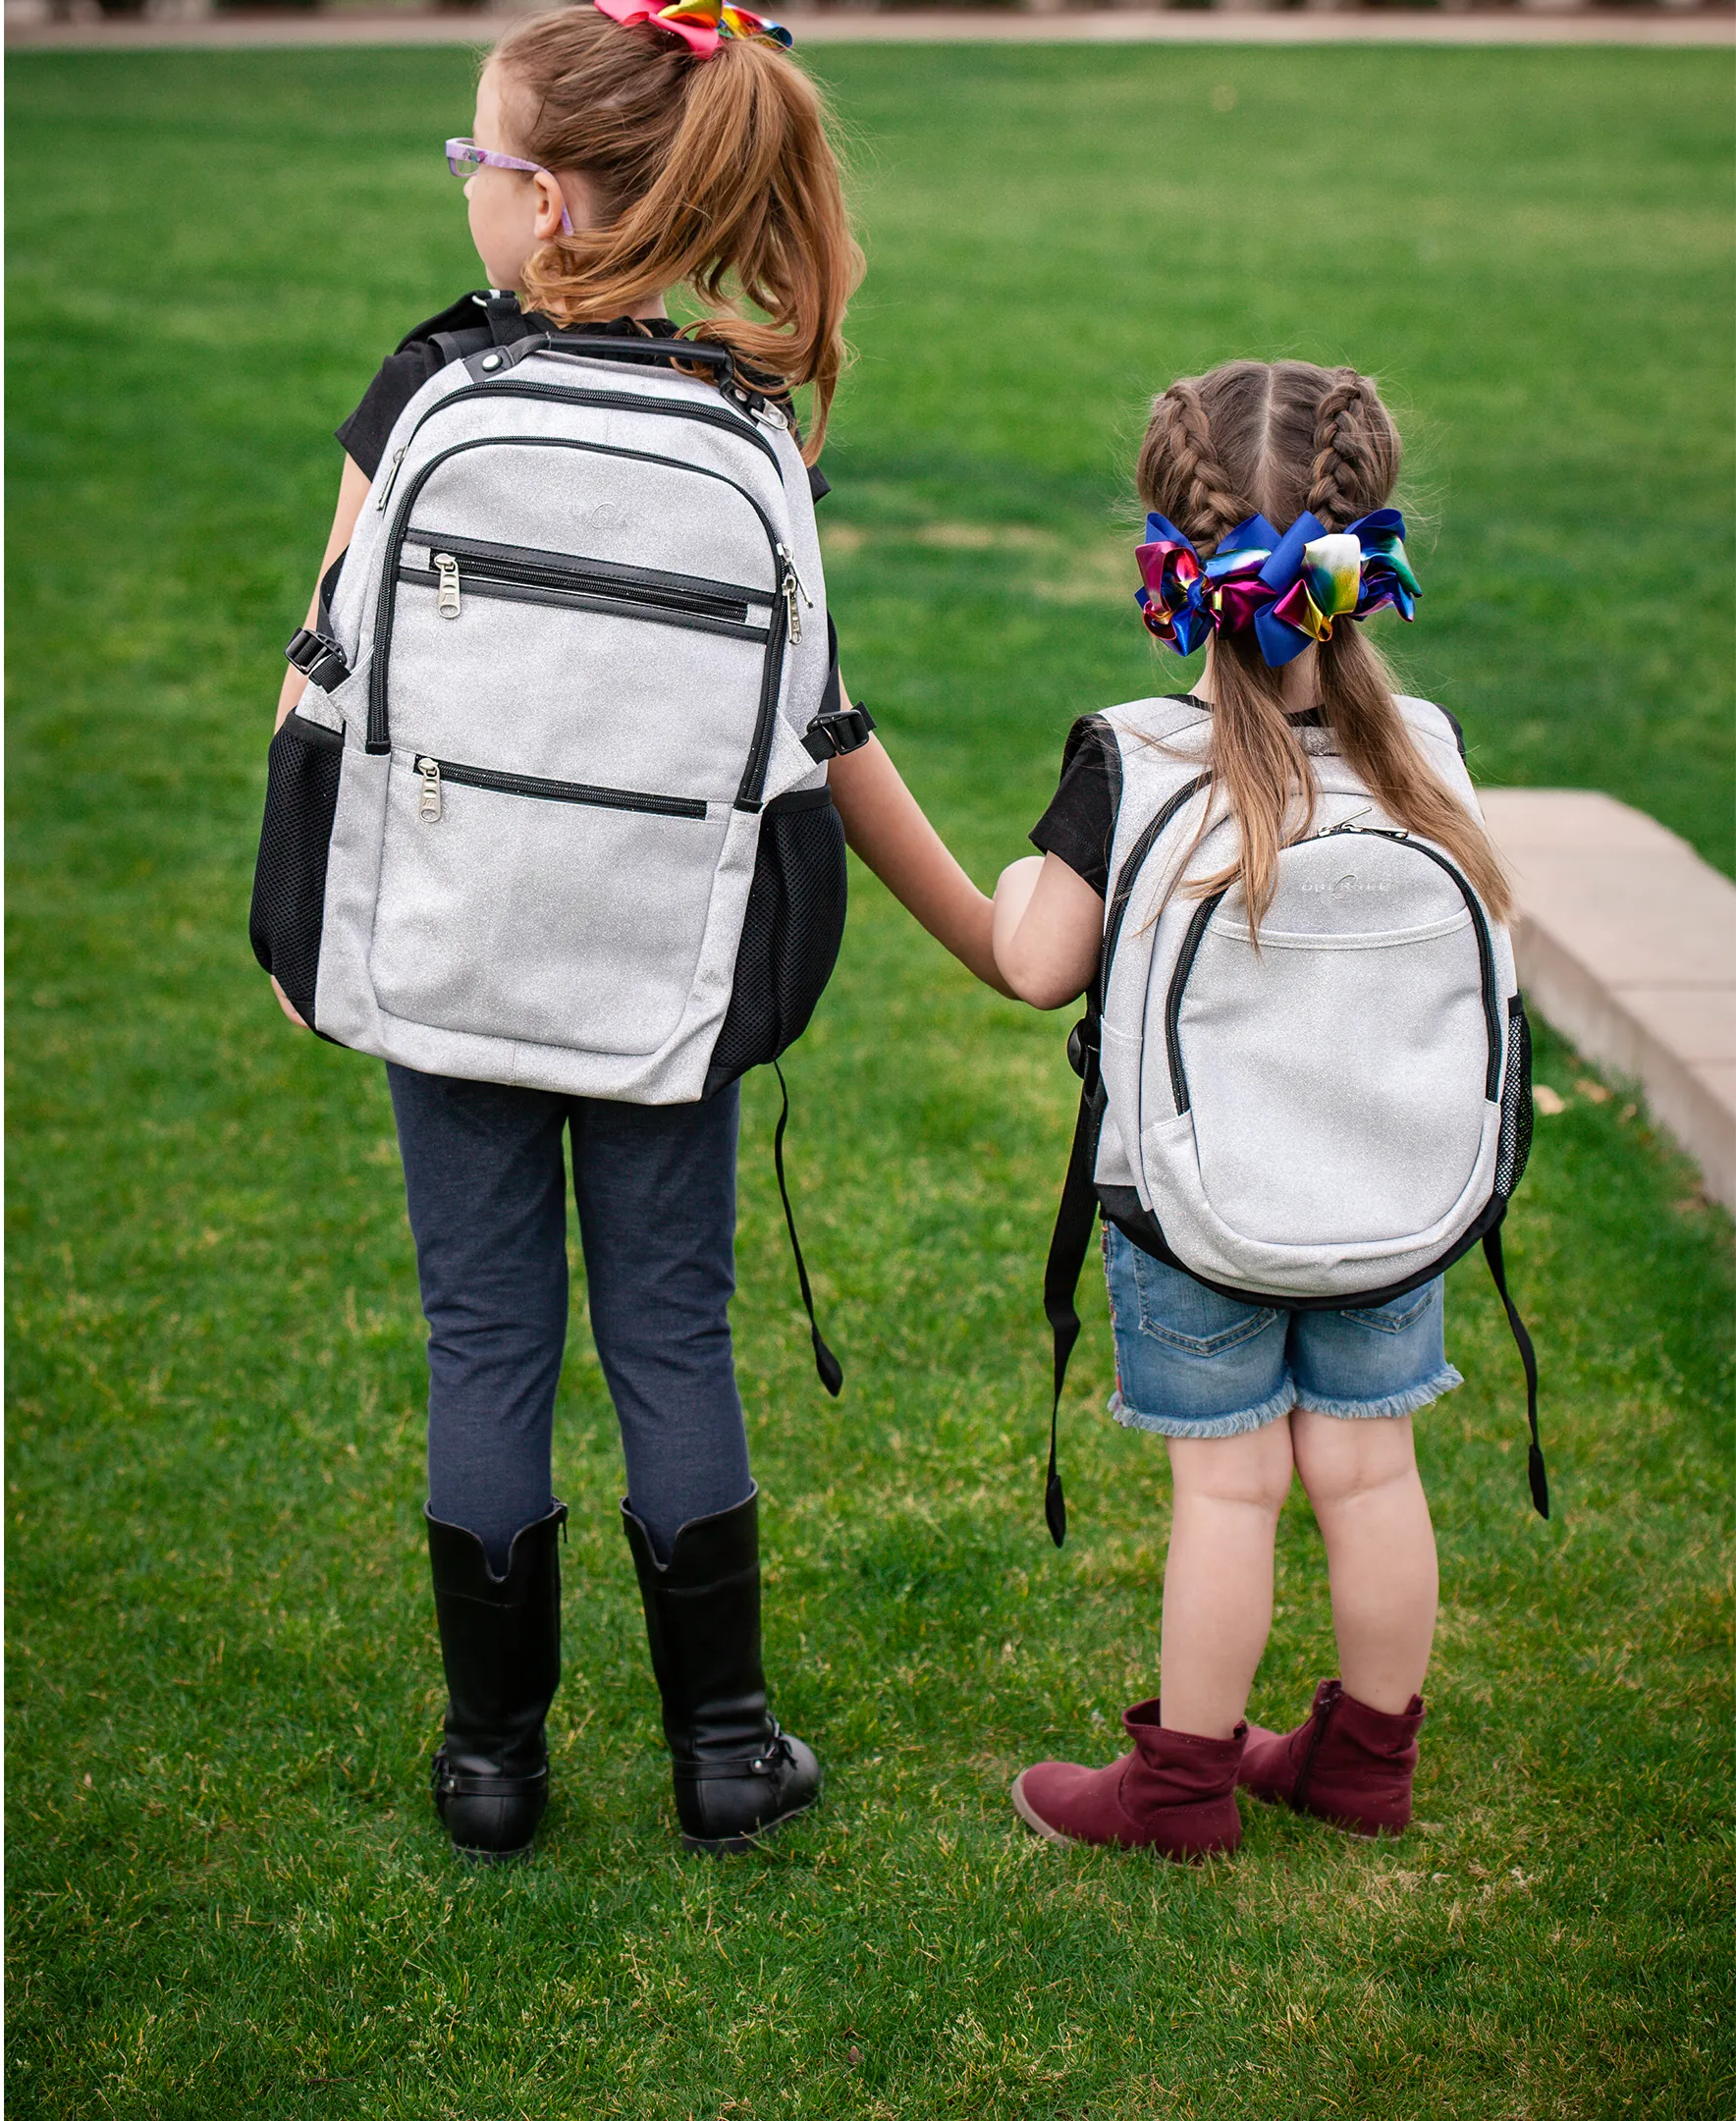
{"x": 1289, "y": 590}
{"x": 702, "y": 24}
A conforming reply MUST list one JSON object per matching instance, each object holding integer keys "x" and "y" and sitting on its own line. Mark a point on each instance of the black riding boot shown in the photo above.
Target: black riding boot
{"x": 738, "y": 1776}
{"x": 500, "y": 1639}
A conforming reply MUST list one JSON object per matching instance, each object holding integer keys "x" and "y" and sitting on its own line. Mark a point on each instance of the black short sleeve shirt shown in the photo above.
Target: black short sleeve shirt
{"x": 1079, "y": 824}
{"x": 416, "y": 357}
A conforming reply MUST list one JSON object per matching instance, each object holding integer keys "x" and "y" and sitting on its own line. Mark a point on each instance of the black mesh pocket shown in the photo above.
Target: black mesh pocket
{"x": 304, "y": 766}
{"x": 790, "y": 937}
{"x": 1516, "y": 1116}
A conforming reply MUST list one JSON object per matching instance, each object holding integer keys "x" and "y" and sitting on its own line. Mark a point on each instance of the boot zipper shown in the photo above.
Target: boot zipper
{"x": 429, "y": 809}
{"x": 447, "y": 567}
{"x": 1310, "y": 1745}
{"x": 391, "y": 480}
{"x": 790, "y": 586}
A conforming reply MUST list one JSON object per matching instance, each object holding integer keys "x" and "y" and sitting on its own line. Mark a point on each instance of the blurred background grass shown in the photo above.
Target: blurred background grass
{"x": 226, "y": 1888}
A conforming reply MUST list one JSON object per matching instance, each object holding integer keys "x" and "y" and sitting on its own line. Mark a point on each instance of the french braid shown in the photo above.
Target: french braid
{"x": 1179, "y": 438}
{"x": 1344, "y": 471}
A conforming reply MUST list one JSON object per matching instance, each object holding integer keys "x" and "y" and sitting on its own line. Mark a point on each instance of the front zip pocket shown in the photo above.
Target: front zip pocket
{"x": 549, "y": 911}
{"x": 435, "y": 774}
{"x": 457, "y": 566}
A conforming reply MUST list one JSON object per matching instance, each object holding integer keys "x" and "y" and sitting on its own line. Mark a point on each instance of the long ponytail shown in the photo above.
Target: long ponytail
{"x": 714, "y": 174}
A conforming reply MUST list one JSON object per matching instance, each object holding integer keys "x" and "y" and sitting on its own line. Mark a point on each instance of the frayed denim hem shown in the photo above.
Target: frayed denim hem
{"x": 1270, "y": 1409}
{"x": 1393, "y": 1405}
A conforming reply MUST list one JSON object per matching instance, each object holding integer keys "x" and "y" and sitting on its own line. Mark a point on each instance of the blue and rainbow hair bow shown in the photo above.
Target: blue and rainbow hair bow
{"x": 1289, "y": 590}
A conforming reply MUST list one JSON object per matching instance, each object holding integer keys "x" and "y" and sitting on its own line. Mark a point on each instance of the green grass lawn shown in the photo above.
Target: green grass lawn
{"x": 226, "y": 1893}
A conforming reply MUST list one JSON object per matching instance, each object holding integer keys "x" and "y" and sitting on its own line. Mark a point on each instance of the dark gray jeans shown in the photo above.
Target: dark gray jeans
{"x": 484, "y": 1168}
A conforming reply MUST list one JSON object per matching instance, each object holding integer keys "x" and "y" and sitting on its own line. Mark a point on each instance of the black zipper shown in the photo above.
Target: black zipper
{"x": 1134, "y": 863}
{"x": 1190, "y": 949}
{"x": 487, "y": 570}
{"x": 1190, "y": 946}
{"x": 379, "y": 736}
{"x": 619, "y": 401}
{"x": 1492, "y": 1019}
{"x": 567, "y": 791}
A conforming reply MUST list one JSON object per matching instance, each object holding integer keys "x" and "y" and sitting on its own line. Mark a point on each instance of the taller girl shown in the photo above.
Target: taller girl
{"x": 616, "y": 156}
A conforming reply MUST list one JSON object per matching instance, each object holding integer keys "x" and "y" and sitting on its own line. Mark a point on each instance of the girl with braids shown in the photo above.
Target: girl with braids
{"x": 1249, "y": 1396}
{"x": 619, "y": 154}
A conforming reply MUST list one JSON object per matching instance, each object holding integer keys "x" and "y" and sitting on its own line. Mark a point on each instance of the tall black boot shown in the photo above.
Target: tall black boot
{"x": 500, "y": 1639}
{"x": 737, "y": 1776}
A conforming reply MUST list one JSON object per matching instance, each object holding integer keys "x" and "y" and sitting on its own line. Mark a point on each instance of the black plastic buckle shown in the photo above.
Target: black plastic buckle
{"x": 318, "y": 658}
{"x": 1084, "y": 1052}
{"x": 833, "y": 736}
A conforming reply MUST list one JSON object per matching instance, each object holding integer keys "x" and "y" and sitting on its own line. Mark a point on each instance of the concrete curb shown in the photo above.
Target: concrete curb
{"x": 1627, "y": 944}
{"x": 1229, "y": 26}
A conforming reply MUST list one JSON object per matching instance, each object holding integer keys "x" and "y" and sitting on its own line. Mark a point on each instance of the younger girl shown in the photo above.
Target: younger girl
{"x": 618, "y": 155}
{"x": 1246, "y": 1395}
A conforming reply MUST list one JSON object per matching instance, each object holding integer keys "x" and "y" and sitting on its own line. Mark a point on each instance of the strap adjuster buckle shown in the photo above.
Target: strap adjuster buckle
{"x": 834, "y": 736}
{"x": 318, "y": 658}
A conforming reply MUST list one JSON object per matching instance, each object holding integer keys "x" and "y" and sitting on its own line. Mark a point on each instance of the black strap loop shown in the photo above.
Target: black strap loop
{"x": 318, "y": 658}
{"x": 834, "y": 736}
{"x": 1535, "y": 1468}
{"x": 825, "y": 1362}
{"x": 1074, "y": 1224}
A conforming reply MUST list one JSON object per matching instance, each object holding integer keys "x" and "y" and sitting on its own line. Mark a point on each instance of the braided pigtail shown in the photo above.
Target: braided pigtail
{"x": 1355, "y": 451}
{"x": 1179, "y": 459}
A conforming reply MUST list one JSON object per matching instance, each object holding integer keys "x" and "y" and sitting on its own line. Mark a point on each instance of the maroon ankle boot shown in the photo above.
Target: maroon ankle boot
{"x": 1348, "y": 1764}
{"x": 1174, "y": 1793}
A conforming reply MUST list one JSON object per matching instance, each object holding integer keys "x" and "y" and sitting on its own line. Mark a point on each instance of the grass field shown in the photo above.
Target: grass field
{"x": 227, "y": 1894}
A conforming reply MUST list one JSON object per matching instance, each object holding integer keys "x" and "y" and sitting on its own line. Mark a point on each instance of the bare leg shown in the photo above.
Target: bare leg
{"x": 1361, "y": 1478}
{"x": 1218, "y": 1579}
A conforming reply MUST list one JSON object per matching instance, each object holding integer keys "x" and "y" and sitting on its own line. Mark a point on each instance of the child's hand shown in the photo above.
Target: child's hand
{"x": 1047, "y": 930}
{"x": 288, "y": 1006}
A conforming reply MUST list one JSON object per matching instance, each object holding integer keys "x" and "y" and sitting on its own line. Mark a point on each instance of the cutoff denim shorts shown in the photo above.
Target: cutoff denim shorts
{"x": 1191, "y": 1363}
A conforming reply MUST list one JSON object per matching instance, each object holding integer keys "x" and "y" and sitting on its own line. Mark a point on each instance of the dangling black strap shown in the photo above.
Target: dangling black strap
{"x": 1539, "y": 1479}
{"x": 1074, "y": 1222}
{"x": 830, "y": 1368}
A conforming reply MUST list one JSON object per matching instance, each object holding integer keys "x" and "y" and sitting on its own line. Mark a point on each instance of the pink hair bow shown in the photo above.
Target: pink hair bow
{"x": 702, "y": 24}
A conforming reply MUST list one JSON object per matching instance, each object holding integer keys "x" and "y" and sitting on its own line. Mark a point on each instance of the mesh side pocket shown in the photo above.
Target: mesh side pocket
{"x": 304, "y": 766}
{"x": 791, "y": 935}
{"x": 1514, "y": 1146}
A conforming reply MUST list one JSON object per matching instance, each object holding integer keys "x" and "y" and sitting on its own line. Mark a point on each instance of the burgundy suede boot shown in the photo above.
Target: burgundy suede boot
{"x": 1173, "y": 1793}
{"x": 1348, "y": 1764}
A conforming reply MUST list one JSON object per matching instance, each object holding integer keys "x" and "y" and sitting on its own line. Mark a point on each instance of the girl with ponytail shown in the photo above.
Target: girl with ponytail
{"x": 1249, "y": 1396}
{"x": 620, "y": 155}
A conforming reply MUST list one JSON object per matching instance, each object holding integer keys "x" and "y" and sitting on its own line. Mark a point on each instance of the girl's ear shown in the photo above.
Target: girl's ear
{"x": 550, "y": 204}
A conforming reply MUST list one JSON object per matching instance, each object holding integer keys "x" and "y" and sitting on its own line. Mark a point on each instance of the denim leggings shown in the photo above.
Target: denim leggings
{"x": 484, "y": 1168}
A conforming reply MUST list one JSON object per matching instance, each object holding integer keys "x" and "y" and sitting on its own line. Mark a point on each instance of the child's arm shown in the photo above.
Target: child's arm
{"x": 352, "y": 491}
{"x": 884, "y": 822}
{"x": 1047, "y": 930}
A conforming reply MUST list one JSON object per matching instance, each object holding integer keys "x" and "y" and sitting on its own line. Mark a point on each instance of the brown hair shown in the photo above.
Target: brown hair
{"x": 713, "y": 173}
{"x": 1275, "y": 439}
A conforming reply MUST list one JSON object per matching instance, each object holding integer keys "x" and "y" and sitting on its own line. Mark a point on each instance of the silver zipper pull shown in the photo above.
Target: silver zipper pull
{"x": 391, "y": 480}
{"x": 792, "y": 587}
{"x": 447, "y": 567}
{"x": 429, "y": 809}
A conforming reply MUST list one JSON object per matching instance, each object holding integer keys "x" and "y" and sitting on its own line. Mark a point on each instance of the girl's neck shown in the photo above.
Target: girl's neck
{"x": 1299, "y": 680}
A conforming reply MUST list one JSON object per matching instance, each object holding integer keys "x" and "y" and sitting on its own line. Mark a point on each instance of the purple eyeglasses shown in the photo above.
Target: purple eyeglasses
{"x": 464, "y": 157}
